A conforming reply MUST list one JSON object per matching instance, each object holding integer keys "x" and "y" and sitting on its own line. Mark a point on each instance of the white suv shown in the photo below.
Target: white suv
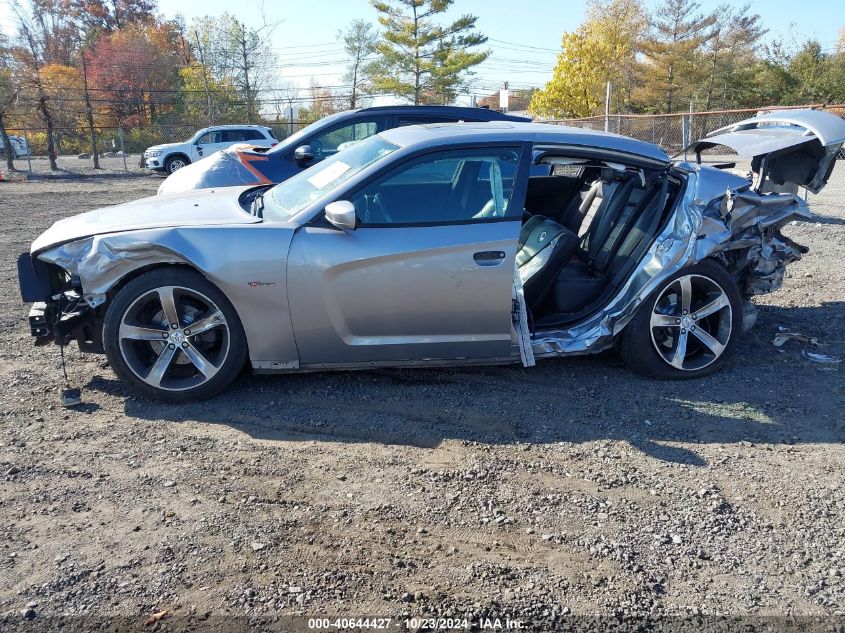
{"x": 170, "y": 157}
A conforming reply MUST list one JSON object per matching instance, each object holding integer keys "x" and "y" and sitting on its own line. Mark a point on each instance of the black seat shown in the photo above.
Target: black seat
{"x": 607, "y": 216}
{"x": 605, "y": 262}
{"x": 544, "y": 248}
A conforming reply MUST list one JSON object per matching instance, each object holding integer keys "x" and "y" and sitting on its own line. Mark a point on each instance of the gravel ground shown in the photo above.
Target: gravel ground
{"x": 574, "y": 487}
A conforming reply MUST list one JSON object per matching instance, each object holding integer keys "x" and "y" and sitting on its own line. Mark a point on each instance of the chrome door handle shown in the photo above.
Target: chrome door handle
{"x": 489, "y": 258}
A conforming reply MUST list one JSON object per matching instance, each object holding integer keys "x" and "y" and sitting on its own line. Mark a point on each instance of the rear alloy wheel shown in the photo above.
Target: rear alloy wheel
{"x": 175, "y": 163}
{"x": 174, "y": 336}
{"x": 687, "y": 327}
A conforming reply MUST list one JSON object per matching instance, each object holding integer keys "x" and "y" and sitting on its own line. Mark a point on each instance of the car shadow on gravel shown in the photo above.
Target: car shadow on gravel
{"x": 826, "y": 219}
{"x": 762, "y": 396}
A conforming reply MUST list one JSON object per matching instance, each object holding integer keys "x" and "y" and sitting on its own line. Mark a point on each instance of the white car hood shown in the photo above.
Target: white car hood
{"x": 165, "y": 146}
{"x": 193, "y": 208}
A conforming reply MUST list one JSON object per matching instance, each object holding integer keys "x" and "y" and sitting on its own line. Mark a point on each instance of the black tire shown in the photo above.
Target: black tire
{"x": 639, "y": 343}
{"x": 175, "y": 163}
{"x": 124, "y": 352}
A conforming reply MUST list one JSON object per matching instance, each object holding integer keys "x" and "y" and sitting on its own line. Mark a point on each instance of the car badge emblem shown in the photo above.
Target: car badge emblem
{"x": 542, "y": 236}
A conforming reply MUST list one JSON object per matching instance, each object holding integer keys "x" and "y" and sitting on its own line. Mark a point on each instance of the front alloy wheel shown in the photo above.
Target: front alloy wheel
{"x": 173, "y": 336}
{"x": 175, "y": 164}
{"x": 687, "y": 327}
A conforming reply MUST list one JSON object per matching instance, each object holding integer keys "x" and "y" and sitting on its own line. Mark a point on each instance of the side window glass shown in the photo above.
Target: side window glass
{"x": 209, "y": 137}
{"x": 340, "y": 138}
{"x": 442, "y": 187}
{"x": 234, "y": 136}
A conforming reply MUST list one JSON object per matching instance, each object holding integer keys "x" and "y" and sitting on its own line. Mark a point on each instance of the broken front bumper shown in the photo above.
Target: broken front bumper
{"x": 57, "y": 316}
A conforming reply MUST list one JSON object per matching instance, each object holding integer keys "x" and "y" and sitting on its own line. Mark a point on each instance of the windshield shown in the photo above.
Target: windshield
{"x": 293, "y": 139}
{"x": 293, "y": 195}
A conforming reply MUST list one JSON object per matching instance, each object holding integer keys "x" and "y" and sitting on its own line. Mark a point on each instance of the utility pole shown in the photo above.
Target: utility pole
{"x": 210, "y": 103}
{"x": 607, "y": 109}
{"x": 246, "y": 63}
{"x": 89, "y": 114}
{"x": 504, "y": 97}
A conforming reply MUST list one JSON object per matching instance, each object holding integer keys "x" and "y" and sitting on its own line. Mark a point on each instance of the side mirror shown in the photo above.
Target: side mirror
{"x": 341, "y": 213}
{"x": 303, "y": 154}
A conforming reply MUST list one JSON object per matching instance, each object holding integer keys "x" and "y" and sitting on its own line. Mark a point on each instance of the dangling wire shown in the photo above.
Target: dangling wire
{"x": 61, "y": 341}
{"x": 62, "y": 354}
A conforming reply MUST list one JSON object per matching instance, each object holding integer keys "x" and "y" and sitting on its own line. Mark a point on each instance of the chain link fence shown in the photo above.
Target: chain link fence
{"x": 121, "y": 147}
{"x": 116, "y": 141}
{"x": 674, "y": 132}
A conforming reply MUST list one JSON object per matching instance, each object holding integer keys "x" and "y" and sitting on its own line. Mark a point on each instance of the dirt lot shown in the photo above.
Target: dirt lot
{"x": 574, "y": 487}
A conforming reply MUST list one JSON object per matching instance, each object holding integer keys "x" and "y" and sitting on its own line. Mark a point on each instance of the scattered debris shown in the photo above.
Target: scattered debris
{"x": 155, "y": 617}
{"x": 820, "y": 358}
{"x": 70, "y": 397}
{"x": 784, "y": 335}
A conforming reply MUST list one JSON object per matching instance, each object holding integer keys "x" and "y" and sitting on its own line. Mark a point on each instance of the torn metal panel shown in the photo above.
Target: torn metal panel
{"x": 756, "y": 253}
{"x": 736, "y": 226}
{"x": 672, "y": 250}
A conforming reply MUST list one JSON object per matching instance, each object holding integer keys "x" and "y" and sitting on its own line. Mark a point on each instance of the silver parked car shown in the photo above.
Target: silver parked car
{"x": 438, "y": 245}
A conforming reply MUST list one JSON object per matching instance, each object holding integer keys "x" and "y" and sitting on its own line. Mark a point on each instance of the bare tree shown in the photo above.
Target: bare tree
{"x": 8, "y": 95}
{"x": 31, "y": 57}
{"x": 286, "y": 95}
{"x": 360, "y": 40}
{"x": 230, "y": 52}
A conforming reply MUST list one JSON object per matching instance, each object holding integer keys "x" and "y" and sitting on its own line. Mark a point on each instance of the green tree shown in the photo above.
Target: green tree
{"x": 731, "y": 57}
{"x": 227, "y": 102}
{"x": 603, "y": 49}
{"x": 674, "y": 50}
{"x": 420, "y": 59}
{"x": 359, "y": 41}
{"x": 818, "y": 75}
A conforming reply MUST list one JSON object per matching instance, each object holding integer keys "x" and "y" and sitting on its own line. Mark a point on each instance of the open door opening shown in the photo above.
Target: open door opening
{"x": 587, "y": 223}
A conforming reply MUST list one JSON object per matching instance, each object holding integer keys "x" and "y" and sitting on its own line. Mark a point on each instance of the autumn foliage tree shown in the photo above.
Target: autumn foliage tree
{"x": 603, "y": 49}
{"x": 136, "y": 72}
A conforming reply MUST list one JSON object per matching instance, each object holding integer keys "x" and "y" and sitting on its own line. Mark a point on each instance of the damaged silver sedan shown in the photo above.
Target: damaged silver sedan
{"x": 436, "y": 245}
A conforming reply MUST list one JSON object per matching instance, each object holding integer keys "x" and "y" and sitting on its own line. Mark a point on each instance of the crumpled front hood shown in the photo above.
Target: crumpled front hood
{"x": 194, "y": 208}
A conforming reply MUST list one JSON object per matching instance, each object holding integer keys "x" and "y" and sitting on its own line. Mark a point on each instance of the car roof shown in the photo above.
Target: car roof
{"x": 455, "y": 112}
{"x": 506, "y": 131}
{"x": 458, "y": 112}
{"x": 234, "y": 127}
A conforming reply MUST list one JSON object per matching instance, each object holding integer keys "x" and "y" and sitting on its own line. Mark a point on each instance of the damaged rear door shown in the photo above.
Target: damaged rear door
{"x": 789, "y": 148}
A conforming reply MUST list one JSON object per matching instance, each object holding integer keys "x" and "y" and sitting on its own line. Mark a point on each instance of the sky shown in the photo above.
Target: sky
{"x": 524, "y": 36}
